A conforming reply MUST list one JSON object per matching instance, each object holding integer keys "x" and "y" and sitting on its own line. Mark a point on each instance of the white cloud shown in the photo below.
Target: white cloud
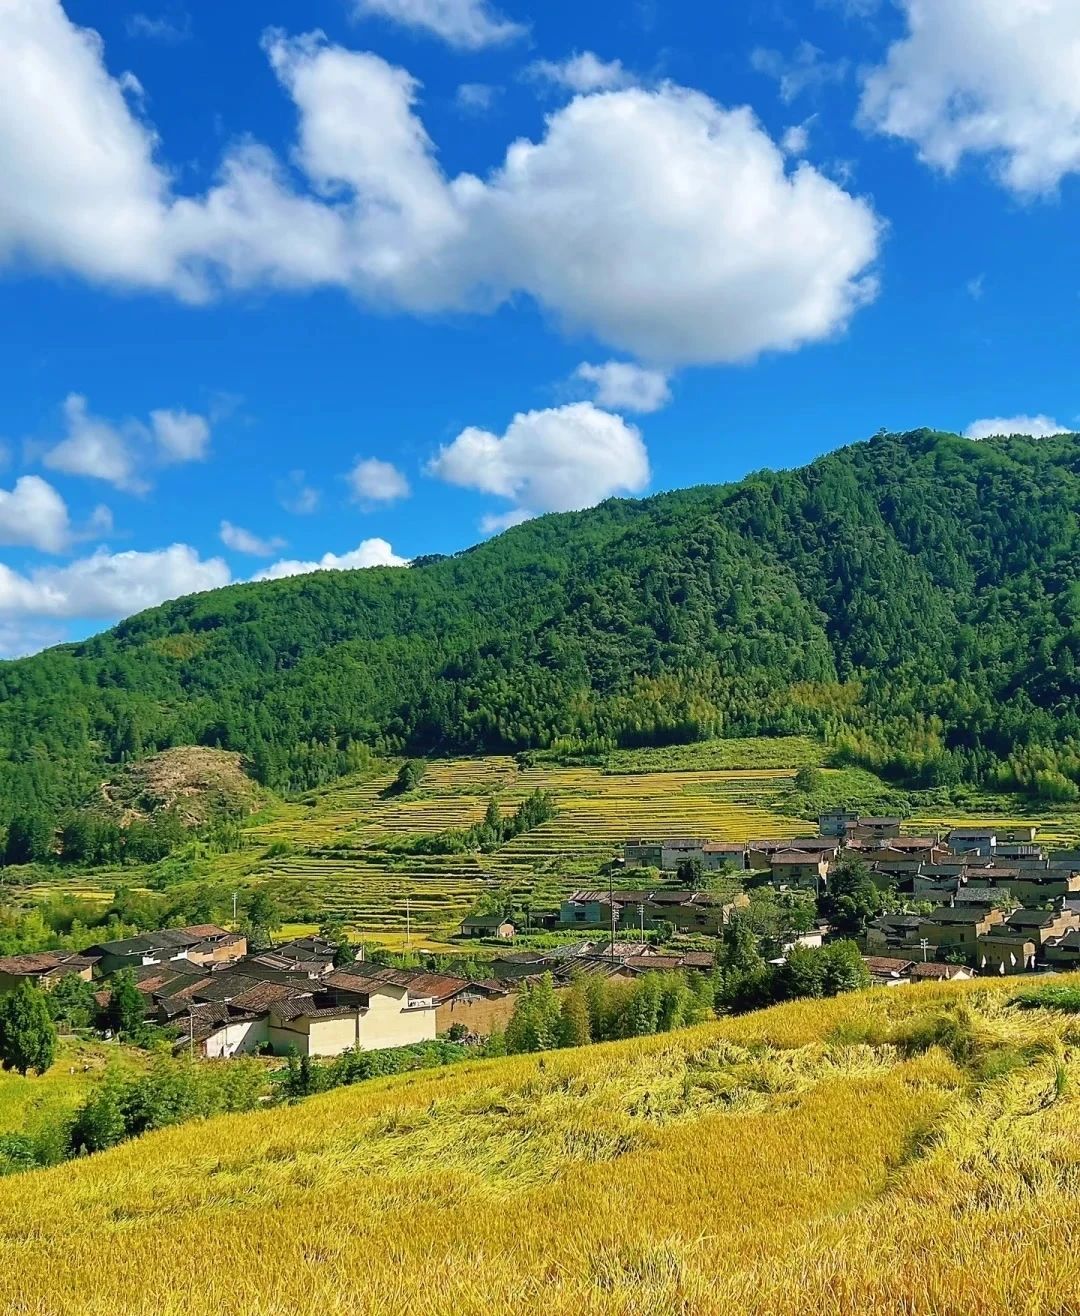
{"x": 118, "y": 452}
{"x": 796, "y": 139}
{"x": 992, "y": 78}
{"x": 297, "y": 496}
{"x": 94, "y": 447}
{"x": 243, "y": 541}
{"x": 375, "y": 481}
{"x": 804, "y": 71}
{"x": 976, "y": 287}
{"x": 109, "y": 585}
{"x": 556, "y": 460}
{"x": 475, "y": 97}
{"x": 466, "y": 24}
{"x": 159, "y": 27}
{"x": 181, "y": 436}
{"x": 658, "y": 221}
{"x": 81, "y": 189}
{"x": 582, "y": 72}
{"x": 1038, "y": 427}
{"x": 626, "y": 386}
{"x": 370, "y": 553}
{"x": 33, "y": 514}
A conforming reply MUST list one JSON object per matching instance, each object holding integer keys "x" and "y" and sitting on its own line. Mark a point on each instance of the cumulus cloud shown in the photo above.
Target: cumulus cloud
{"x": 369, "y": 553}
{"x": 119, "y": 452}
{"x": 465, "y": 24}
{"x": 375, "y": 481}
{"x": 34, "y": 515}
{"x": 93, "y": 447}
{"x": 796, "y": 139}
{"x": 181, "y": 436}
{"x": 108, "y": 585}
{"x": 626, "y": 386}
{"x": 555, "y": 460}
{"x": 659, "y": 221}
{"x": 1037, "y": 427}
{"x": 581, "y": 72}
{"x": 243, "y": 541}
{"x": 993, "y": 78}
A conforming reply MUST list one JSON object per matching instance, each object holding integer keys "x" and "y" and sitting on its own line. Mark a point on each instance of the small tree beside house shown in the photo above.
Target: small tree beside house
{"x": 27, "y": 1032}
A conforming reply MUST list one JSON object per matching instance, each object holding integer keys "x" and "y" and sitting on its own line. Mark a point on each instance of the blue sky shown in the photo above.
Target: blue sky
{"x": 344, "y": 290}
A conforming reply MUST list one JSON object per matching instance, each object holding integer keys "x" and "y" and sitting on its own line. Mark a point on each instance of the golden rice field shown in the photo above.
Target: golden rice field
{"x": 910, "y": 1152}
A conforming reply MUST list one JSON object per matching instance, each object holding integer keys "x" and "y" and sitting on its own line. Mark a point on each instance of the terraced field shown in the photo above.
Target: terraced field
{"x": 336, "y": 836}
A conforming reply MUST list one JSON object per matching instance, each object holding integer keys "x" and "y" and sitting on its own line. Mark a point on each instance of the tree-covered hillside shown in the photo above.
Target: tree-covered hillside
{"x": 915, "y": 599}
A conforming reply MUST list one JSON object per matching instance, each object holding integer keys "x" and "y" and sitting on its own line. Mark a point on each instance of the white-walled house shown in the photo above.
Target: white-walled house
{"x": 317, "y": 1025}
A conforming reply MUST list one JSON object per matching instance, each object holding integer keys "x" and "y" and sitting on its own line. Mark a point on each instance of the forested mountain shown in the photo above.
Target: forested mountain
{"x": 915, "y": 599}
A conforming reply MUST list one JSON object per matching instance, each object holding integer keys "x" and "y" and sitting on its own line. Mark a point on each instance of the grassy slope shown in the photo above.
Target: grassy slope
{"x": 29, "y": 1103}
{"x": 791, "y": 1161}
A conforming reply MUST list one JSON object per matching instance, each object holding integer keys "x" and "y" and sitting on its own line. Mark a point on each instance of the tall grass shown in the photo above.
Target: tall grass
{"x": 838, "y": 1156}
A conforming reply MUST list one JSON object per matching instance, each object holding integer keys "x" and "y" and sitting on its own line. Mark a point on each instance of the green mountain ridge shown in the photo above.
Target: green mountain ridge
{"x": 914, "y": 599}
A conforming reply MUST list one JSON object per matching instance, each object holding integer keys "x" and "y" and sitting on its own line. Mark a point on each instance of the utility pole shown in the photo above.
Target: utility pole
{"x": 234, "y": 894}
{"x": 924, "y": 945}
{"x": 408, "y": 923}
{"x": 642, "y": 908}
{"x": 191, "y": 1030}
{"x": 611, "y": 906}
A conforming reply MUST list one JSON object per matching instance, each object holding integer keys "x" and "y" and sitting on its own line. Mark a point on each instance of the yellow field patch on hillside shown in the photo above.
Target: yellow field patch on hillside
{"x": 825, "y": 1157}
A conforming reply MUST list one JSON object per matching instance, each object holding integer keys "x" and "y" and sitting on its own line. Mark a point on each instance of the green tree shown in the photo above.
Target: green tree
{"x": 574, "y": 1018}
{"x": 126, "y": 1011}
{"x": 851, "y": 899}
{"x": 691, "y": 873}
{"x": 27, "y": 1032}
{"x": 72, "y": 1002}
{"x": 809, "y": 780}
{"x": 409, "y": 777}
{"x": 99, "y": 1122}
{"x": 845, "y": 969}
{"x": 263, "y": 917}
{"x": 534, "y": 1025}
{"x": 29, "y": 839}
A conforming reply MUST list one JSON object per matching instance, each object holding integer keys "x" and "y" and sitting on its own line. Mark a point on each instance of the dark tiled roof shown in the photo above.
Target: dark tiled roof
{"x": 932, "y": 970}
{"x": 885, "y": 966}
{"x": 40, "y": 962}
{"x": 485, "y": 921}
{"x": 207, "y": 931}
{"x": 1032, "y": 918}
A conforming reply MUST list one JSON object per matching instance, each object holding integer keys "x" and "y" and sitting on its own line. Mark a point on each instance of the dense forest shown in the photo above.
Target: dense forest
{"x": 914, "y": 599}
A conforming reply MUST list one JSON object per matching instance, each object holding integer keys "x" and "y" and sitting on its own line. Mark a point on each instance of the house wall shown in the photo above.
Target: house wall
{"x": 643, "y": 856}
{"x": 240, "y": 1038}
{"x": 585, "y": 914}
{"x": 1003, "y": 956}
{"x": 481, "y": 1015}
{"x": 221, "y": 954}
{"x": 386, "y": 1023}
{"x": 806, "y": 876}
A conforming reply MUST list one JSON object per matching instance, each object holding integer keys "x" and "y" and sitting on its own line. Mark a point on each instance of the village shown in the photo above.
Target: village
{"x": 980, "y": 900}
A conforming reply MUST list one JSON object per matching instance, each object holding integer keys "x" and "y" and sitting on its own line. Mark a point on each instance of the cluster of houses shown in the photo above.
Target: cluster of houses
{"x": 222, "y": 1001}
{"x": 988, "y": 894}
